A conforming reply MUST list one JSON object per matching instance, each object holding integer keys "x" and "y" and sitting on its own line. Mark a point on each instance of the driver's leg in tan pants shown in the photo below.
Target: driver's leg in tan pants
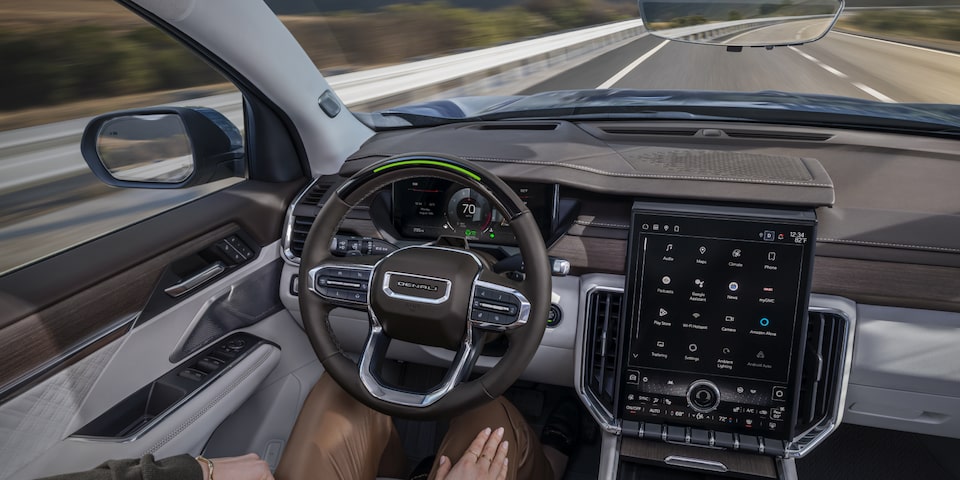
{"x": 337, "y": 437}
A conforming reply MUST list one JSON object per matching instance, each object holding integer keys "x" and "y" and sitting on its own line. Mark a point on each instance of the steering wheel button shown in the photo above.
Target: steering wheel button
{"x": 344, "y": 284}
{"x": 494, "y": 307}
{"x": 362, "y": 274}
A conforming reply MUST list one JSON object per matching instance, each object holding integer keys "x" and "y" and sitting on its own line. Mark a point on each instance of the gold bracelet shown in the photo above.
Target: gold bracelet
{"x": 202, "y": 459}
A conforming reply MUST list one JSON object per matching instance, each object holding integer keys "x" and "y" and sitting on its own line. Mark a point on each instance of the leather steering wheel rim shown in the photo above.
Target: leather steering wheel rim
{"x": 536, "y": 287}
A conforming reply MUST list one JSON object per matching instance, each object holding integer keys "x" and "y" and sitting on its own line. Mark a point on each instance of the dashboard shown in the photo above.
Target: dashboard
{"x": 796, "y": 224}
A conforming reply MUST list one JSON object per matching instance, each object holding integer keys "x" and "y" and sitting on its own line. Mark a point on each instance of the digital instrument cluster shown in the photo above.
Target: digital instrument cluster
{"x": 427, "y": 208}
{"x": 717, "y": 313}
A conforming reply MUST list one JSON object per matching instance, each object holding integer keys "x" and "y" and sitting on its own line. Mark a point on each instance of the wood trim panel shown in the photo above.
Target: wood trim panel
{"x": 592, "y": 254}
{"x": 886, "y": 283}
{"x": 864, "y": 281}
{"x": 36, "y": 339}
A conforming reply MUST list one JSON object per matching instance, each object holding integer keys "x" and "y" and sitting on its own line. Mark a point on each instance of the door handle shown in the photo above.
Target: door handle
{"x": 185, "y": 286}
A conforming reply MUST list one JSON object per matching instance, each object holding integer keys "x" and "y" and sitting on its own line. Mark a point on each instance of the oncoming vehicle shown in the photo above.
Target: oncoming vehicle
{"x": 727, "y": 232}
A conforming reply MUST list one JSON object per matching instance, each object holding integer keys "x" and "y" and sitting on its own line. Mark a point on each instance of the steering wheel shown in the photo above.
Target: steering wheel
{"x": 437, "y": 296}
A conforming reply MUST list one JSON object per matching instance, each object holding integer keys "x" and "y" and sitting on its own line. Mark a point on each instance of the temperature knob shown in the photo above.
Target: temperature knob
{"x": 703, "y": 396}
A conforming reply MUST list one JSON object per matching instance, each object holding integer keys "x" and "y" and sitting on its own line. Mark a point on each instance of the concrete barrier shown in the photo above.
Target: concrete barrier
{"x": 709, "y": 31}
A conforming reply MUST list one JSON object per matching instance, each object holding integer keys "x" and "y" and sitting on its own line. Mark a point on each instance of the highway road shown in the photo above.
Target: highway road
{"x": 839, "y": 64}
{"x": 800, "y": 30}
{"x": 33, "y": 222}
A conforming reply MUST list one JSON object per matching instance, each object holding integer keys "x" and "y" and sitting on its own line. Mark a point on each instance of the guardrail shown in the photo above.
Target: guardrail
{"x": 35, "y": 155}
{"x": 374, "y": 89}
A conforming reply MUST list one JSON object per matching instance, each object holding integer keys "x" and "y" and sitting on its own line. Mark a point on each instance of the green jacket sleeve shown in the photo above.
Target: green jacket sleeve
{"x": 181, "y": 467}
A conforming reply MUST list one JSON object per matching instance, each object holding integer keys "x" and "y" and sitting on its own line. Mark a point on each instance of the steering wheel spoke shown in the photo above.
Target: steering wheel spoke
{"x": 375, "y": 351}
{"x": 498, "y": 307}
{"x": 342, "y": 282}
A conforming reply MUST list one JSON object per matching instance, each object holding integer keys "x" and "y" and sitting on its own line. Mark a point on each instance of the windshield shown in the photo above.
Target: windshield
{"x": 379, "y": 54}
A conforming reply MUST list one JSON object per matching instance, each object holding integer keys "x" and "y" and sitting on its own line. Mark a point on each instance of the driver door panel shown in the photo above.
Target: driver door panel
{"x": 75, "y": 340}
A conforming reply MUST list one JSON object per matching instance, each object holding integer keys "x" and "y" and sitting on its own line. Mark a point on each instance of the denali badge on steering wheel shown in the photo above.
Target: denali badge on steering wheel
{"x": 416, "y": 288}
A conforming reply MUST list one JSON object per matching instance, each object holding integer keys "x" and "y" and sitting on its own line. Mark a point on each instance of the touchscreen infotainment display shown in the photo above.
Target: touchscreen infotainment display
{"x": 717, "y": 307}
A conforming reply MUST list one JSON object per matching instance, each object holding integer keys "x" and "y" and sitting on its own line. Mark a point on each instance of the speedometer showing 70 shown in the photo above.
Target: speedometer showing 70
{"x": 428, "y": 208}
{"x": 469, "y": 213}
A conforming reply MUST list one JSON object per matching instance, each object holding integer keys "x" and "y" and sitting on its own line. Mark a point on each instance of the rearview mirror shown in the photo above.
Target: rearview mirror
{"x": 741, "y": 23}
{"x": 162, "y": 147}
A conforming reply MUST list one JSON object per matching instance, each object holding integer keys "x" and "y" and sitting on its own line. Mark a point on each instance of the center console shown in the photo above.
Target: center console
{"x": 716, "y": 303}
{"x": 708, "y": 354}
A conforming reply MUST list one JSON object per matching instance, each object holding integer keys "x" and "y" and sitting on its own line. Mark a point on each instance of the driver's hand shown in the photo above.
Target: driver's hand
{"x": 485, "y": 459}
{"x": 247, "y": 467}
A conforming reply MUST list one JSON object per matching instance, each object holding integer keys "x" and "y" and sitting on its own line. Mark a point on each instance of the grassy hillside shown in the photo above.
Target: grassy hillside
{"x": 921, "y": 24}
{"x": 900, "y": 3}
{"x": 56, "y": 52}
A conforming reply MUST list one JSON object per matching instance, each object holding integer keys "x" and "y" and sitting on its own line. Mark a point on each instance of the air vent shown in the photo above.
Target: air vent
{"x": 822, "y": 368}
{"x": 520, "y": 126}
{"x": 663, "y": 132}
{"x": 603, "y": 329}
{"x": 304, "y": 213}
{"x": 778, "y": 135}
{"x": 298, "y": 237}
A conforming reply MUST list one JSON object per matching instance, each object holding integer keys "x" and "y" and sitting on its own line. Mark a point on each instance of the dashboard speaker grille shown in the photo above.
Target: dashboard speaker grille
{"x": 522, "y": 126}
{"x": 822, "y": 368}
{"x": 671, "y": 132}
{"x": 604, "y": 309}
{"x": 778, "y": 135}
{"x": 318, "y": 192}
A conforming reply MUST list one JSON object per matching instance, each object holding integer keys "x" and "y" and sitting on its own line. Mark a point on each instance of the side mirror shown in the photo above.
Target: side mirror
{"x": 741, "y": 23}
{"x": 162, "y": 147}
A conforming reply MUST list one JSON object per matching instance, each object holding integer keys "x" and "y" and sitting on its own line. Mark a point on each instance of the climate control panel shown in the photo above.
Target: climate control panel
{"x": 722, "y": 403}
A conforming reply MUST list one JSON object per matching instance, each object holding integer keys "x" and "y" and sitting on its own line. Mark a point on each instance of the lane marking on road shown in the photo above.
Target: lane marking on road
{"x": 866, "y": 89}
{"x": 833, "y": 70}
{"x": 805, "y": 55}
{"x": 899, "y": 44}
{"x": 874, "y": 93}
{"x": 629, "y": 68}
{"x": 819, "y": 63}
